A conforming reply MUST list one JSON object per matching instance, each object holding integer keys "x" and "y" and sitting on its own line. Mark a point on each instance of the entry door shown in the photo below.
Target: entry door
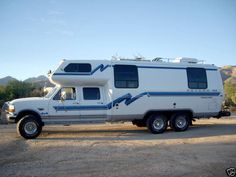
{"x": 65, "y": 103}
{"x": 92, "y": 103}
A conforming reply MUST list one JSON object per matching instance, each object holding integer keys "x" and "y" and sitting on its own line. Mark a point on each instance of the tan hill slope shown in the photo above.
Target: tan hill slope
{"x": 228, "y": 74}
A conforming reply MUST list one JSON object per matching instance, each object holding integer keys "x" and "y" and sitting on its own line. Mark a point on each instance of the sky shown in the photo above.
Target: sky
{"x": 36, "y": 35}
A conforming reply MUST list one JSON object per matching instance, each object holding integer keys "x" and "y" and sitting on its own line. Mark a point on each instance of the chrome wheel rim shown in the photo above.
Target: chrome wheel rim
{"x": 181, "y": 122}
{"x": 30, "y": 128}
{"x": 158, "y": 124}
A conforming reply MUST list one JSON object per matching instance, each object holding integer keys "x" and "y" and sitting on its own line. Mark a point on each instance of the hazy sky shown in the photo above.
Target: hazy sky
{"x": 36, "y": 35}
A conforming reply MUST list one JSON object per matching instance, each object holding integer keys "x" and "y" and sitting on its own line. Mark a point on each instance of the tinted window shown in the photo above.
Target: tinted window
{"x": 126, "y": 76}
{"x": 91, "y": 93}
{"x": 197, "y": 78}
{"x": 78, "y": 67}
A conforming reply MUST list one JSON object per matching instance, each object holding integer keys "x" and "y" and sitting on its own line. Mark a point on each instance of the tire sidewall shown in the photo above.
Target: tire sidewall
{"x": 23, "y": 121}
{"x": 173, "y": 123}
{"x": 151, "y": 120}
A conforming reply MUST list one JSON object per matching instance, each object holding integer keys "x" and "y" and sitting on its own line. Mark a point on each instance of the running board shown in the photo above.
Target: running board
{"x": 73, "y": 121}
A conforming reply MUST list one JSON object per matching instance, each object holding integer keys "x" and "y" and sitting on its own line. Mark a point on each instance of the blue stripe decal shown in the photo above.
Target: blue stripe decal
{"x": 76, "y": 108}
{"x": 128, "y": 99}
{"x": 101, "y": 67}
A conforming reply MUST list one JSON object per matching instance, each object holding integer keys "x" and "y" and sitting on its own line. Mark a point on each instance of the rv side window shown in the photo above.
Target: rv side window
{"x": 78, "y": 67}
{"x": 126, "y": 76}
{"x": 197, "y": 78}
{"x": 91, "y": 93}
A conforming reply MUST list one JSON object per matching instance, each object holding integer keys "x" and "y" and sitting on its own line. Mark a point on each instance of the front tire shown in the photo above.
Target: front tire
{"x": 29, "y": 127}
{"x": 157, "y": 123}
{"x": 180, "y": 122}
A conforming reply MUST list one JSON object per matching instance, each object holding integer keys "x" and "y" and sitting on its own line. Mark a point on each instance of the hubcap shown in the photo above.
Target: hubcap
{"x": 181, "y": 122}
{"x": 30, "y": 128}
{"x": 158, "y": 124}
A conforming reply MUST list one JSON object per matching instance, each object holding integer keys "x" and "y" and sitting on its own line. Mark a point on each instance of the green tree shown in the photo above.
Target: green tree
{"x": 2, "y": 96}
{"x": 230, "y": 93}
{"x": 2, "y": 92}
{"x": 18, "y": 89}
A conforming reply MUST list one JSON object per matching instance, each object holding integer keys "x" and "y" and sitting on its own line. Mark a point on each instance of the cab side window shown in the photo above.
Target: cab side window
{"x": 67, "y": 93}
{"x": 78, "y": 67}
{"x": 91, "y": 93}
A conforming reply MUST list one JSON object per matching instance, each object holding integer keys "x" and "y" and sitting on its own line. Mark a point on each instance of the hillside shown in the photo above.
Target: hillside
{"x": 228, "y": 74}
{"x": 5, "y": 80}
{"x": 39, "y": 81}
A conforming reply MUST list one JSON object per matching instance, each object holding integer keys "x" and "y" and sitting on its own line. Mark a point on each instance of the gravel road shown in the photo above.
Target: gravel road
{"x": 206, "y": 149}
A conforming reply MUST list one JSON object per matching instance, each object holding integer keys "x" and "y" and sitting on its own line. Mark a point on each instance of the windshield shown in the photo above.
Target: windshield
{"x": 50, "y": 93}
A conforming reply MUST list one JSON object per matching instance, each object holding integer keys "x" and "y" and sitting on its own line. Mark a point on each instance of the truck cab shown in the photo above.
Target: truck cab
{"x": 62, "y": 105}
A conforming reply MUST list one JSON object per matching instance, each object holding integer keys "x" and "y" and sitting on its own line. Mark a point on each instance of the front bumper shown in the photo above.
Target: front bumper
{"x": 11, "y": 118}
{"x": 7, "y": 117}
{"x": 3, "y": 119}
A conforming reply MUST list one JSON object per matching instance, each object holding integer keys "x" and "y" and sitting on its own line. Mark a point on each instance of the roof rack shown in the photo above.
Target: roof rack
{"x": 179, "y": 60}
{"x": 138, "y": 58}
{"x": 160, "y": 59}
{"x": 135, "y": 59}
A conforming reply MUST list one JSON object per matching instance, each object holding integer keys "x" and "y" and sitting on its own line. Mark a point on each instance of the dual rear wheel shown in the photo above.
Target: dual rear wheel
{"x": 158, "y": 123}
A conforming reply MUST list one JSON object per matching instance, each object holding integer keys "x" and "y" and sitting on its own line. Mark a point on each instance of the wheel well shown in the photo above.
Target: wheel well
{"x": 28, "y": 112}
{"x": 167, "y": 113}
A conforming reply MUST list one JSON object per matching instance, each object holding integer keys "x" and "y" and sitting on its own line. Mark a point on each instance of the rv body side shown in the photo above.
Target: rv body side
{"x": 165, "y": 88}
{"x": 161, "y": 87}
{"x": 96, "y": 91}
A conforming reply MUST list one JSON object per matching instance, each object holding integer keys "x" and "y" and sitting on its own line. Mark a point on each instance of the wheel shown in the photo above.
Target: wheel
{"x": 157, "y": 123}
{"x": 180, "y": 122}
{"x": 139, "y": 123}
{"x": 29, "y": 127}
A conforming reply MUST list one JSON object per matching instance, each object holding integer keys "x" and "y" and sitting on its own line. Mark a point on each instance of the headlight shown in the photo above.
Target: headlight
{"x": 11, "y": 108}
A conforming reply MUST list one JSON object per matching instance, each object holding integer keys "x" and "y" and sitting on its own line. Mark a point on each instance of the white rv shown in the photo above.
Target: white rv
{"x": 148, "y": 93}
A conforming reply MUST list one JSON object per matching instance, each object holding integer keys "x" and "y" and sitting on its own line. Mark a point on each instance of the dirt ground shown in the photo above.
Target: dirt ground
{"x": 206, "y": 149}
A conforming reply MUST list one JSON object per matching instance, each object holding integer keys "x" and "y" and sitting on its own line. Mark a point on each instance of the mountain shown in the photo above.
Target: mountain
{"x": 39, "y": 81}
{"x": 5, "y": 80}
{"x": 40, "y": 78}
{"x": 228, "y": 74}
